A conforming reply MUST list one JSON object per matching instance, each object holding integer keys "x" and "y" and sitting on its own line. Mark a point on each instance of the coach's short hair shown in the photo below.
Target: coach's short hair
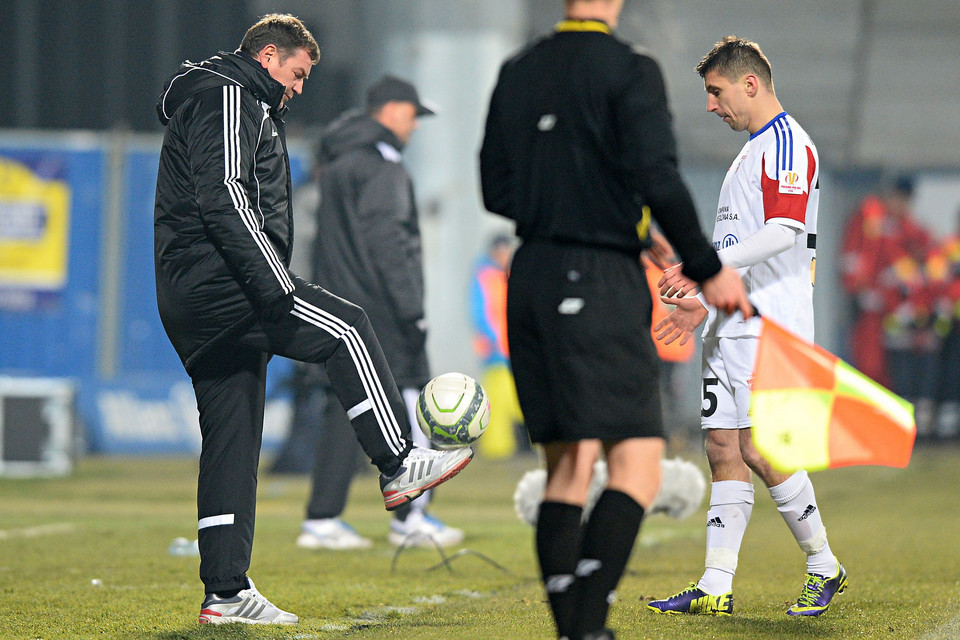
{"x": 735, "y": 57}
{"x": 284, "y": 31}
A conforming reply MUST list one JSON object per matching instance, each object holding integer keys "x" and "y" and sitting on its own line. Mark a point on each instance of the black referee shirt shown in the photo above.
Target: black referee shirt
{"x": 579, "y": 138}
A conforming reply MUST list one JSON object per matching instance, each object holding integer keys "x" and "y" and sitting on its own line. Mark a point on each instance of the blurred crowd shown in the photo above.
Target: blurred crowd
{"x": 905, "y": 285}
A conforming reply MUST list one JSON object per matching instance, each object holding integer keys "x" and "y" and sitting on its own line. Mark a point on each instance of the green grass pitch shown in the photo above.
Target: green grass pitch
{"x": 86, "y": 557}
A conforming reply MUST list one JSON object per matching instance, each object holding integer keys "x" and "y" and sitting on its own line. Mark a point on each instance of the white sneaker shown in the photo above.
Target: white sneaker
{"x": 422, "y": 530}
{"x": 331, "y": 533}
{"x": 422, "y": 469}
{"x": 248, "y": 607}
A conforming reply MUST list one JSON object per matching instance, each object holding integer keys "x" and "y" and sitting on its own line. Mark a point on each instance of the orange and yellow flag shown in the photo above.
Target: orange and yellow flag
{"x": 813, "y": 411}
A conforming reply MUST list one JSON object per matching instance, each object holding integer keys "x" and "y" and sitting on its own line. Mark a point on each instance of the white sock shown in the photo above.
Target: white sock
{"x": 410, "y": 396}
{"x": 797, "y": 504}
{"x": 731, "y": 503}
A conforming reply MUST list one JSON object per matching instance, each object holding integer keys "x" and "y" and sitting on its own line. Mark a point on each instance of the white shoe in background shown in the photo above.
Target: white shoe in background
{"x": 422, "y": 530}
{"x": 331, "y": 533}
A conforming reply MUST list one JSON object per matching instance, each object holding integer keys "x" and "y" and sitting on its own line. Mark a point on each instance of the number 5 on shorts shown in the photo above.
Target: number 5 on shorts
{"x": 710, "y": 397}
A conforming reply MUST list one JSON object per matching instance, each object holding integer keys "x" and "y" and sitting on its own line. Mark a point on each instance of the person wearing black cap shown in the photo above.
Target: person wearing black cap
{"x": 579, "y": 151}
{"x": 368, "y": 250}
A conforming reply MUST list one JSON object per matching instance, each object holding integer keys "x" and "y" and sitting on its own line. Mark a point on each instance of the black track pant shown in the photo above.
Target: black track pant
{"x": 230, "y": 383}
{"x": 335, "y": 465}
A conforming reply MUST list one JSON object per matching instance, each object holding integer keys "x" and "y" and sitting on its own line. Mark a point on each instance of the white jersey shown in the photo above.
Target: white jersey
{"x": 774, "y": 179}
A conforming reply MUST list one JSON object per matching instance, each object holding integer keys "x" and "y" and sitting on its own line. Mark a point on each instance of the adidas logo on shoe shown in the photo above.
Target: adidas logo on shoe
{"x": 809, "y": 511}
{"x": 715, "y": 522}
{"x": 422, "y": 469}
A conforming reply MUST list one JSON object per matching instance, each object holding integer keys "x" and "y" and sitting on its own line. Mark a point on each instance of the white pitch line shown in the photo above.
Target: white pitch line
{"x": 948, "y": 631}
{"x": 379, "y": 615}
{"x": 652, "y": 538}
{"x": 37, "y": 531}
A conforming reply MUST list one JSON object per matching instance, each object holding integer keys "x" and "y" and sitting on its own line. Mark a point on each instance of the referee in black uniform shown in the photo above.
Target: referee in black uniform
{"x": 579, "y": 152}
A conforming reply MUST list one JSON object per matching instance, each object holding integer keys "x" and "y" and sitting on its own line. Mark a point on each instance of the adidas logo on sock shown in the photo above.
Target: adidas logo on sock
{"x": 715, "y": 522}
{"x": 809, "y": 511}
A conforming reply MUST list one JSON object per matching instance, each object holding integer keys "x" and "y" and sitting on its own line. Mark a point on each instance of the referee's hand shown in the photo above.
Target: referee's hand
{"x": 674, "y": 283}
{"x": 725, "y": 291}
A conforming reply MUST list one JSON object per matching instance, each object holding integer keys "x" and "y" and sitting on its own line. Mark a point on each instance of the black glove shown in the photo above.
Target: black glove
{"x": 415, "y": 333}
{"x": 277, "y": 309}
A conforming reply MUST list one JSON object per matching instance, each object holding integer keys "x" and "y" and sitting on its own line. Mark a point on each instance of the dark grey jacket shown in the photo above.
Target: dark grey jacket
{"x": 223, "y": 228}
{"x": 367, "y": 246}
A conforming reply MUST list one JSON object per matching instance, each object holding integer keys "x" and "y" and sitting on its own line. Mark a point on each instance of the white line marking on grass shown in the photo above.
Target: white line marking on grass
{"x": 36, "y": 532}
{"x": 659, "y": 536}
{"x": 429, "y": 600}
{"x": 949, "y": 631}
{"x": 379, "y": 615}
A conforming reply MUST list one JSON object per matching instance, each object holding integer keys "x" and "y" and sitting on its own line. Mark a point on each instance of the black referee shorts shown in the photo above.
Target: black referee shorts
{"x": 578, "y": 322}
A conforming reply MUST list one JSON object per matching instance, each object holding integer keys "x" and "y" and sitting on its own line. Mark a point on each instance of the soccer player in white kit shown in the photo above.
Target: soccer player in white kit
{"x": 765, "y": 228}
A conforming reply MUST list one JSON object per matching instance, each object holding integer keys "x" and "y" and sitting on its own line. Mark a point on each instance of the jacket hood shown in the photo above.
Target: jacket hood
{"x": 220, "y": 70}
{"x": 352, "y": 130}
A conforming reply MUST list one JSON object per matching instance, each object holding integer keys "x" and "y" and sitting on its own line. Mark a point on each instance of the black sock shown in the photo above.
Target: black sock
{"x": 608, "y": 539}
{"x": 403, "y": 511}
{"x": 229, "y": 593}
{"x": 558, "y": 548}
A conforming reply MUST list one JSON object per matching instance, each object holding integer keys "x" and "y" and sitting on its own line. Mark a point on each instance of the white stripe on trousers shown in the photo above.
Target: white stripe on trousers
{"x": 214, "y": 521}
{"x": 339, "y": 329}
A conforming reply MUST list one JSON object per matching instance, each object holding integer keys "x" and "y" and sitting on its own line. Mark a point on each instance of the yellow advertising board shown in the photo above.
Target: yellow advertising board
{"x": 34, "y": 229}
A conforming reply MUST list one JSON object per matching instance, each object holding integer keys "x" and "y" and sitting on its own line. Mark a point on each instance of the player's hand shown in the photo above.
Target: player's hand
{"x": 682, "y": 321}
{"x": 725, "y": 291}
{"x": 674, "y": 283}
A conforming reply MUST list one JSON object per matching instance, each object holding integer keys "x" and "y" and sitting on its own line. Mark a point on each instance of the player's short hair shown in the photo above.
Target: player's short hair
{"x": 282, "y": 30}
{"x": 734, "y": 57}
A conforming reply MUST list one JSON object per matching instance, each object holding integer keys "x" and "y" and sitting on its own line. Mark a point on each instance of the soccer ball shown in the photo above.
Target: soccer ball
{"x": 453, "y": 410}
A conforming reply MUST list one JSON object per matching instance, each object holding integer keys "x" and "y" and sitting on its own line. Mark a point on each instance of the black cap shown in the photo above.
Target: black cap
{"x": 393, "y": 89}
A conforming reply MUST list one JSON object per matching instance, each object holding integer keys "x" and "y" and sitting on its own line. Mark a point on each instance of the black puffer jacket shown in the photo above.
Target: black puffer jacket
{"x": 223, "y": 227}
{"x": 368, "y": 247}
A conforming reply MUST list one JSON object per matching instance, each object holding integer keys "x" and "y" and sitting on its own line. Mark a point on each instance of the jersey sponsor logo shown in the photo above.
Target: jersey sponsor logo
{"x": 790, "y": 183}
{"x": 547, "y": 122}
{"x": 724, "y": 213}
{"x": 727, "y": 241}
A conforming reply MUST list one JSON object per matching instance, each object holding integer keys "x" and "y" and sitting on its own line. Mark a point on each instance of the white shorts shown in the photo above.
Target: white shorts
{"x": 726, "y": 381}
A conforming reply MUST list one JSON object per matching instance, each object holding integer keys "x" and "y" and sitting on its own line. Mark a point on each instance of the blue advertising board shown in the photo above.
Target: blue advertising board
{"x": 77, "y": 293}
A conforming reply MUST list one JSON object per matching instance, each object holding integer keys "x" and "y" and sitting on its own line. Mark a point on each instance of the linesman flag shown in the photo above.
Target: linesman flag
{"x": 813, "y": 411}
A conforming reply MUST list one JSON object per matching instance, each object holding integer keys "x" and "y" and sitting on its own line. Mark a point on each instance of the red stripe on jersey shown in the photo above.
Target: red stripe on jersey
{"x": 785, "y": 205}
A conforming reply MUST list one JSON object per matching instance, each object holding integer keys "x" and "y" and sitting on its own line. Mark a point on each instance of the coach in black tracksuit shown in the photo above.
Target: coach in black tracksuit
{"x": 223, "y": 237}
{"x": 579, "y": 151}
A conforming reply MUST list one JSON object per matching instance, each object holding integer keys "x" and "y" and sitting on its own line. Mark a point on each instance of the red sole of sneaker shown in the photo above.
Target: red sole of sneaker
{"x": 396, "y": 500}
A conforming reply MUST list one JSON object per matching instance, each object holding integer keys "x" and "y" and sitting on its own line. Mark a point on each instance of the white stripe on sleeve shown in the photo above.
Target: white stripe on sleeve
{"x": 238, "y": 195}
